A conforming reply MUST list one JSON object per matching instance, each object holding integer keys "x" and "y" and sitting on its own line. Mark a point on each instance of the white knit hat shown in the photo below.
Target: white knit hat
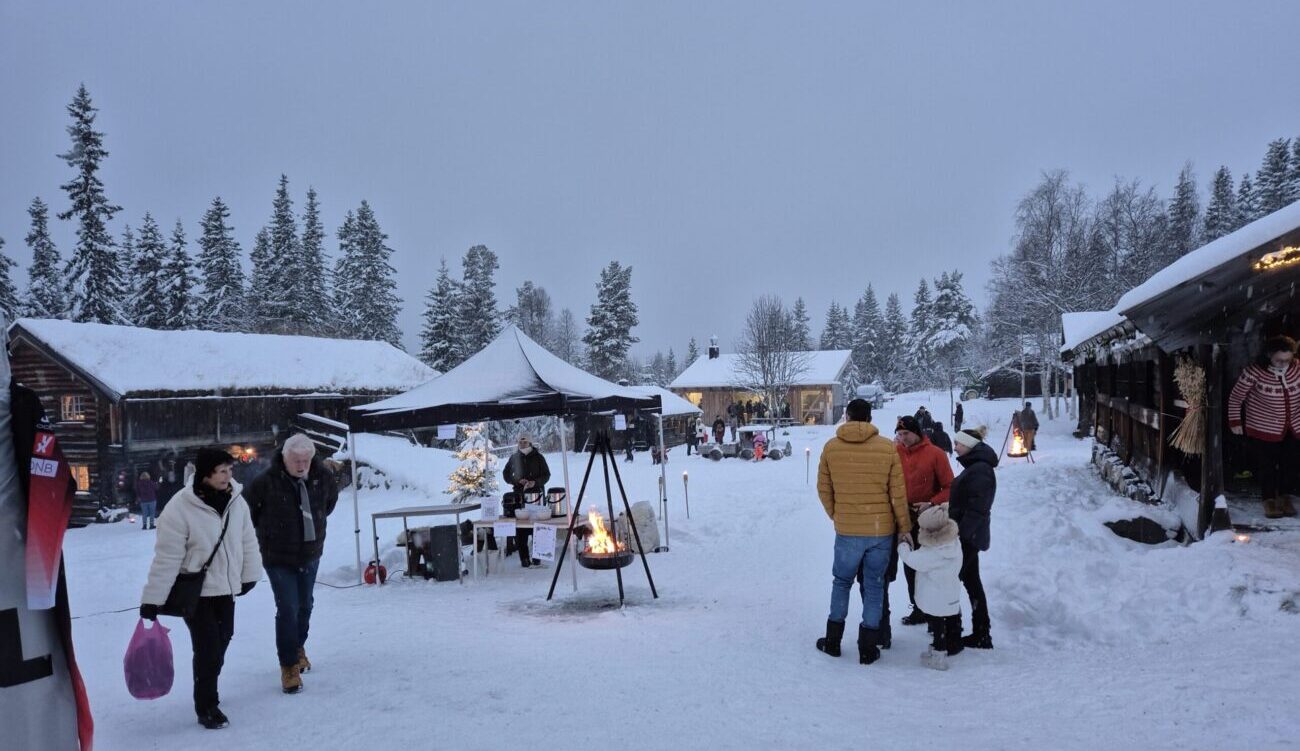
{"x": 936, "y": 527}
{"x": 967, "y": 439}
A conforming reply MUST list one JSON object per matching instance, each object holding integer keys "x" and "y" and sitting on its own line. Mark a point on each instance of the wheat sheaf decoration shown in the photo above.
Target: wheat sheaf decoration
{"x": 1189, "y": 438}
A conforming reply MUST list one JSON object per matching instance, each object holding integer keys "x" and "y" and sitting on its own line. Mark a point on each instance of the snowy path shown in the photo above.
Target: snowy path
{"x": 1100, "y": 642}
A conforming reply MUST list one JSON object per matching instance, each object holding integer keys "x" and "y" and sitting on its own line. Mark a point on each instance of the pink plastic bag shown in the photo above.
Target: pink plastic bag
{"x": 148, "y": 662}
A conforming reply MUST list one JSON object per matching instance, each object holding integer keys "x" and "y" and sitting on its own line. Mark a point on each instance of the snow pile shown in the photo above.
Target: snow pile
{"x": 128, "y": 360}
{"x": 392, "y": 462}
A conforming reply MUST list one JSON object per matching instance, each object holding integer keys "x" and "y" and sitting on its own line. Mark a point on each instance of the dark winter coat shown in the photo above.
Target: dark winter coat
{"x": 923, "y": 417}
{"x": 941, "y": 439}
{"x": 530, "y": 466}
{"x": 970, "y": 500}
{"x": 146, "y": 491}
{"x": 958, "y": 417}
{"x": 277, "y": 511}
{"x": 1028, "y": 419}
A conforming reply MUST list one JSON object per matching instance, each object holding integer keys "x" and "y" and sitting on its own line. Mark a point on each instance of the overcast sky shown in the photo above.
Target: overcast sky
{"x": 722, "y": 149}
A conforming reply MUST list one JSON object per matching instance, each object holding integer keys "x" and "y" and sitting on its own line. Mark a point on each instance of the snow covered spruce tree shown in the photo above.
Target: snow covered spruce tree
{"x": 93, "y": 279}
{"x": 954, "y": 322}
{"x": 10, "y": 306}
{"x": 867, "y": 325}
{"x": 262, "y": 287}
{"x": 45, "y": 289}
{"x": 656, "y": 372}
{"x": 919, "y": 346}
{"x": 477, "y": 474}
{"x": 838, "y": 333}
{"x": 692, "y": 352}
{"x": 670, "y": 364}
{"x": 1183, "y": 224}
{"x": 532, "y": 313}
{"x": 308, "y": 298}
{"x": 1247, "y": 202}
{"x": 765, "y": 363}
{"x": 609, "y": 327}
{"x": 1221, "y": 213}
{"x": 800, "y": 331}
{"x": 565, "y": 341}
{"x": 477, "y": 319}
{"x": 126, "y": 253}
{"x": 893, "y": 362}
{"x": 221, "y": 303}
{"x": 365, "y": 274}
{"x": 180, "y": 282}
{"x": 438, "y": 344}
{"x": 1273, "y": 180}
{"x": 150, "y": 306}
{"x": 274, "y": 269}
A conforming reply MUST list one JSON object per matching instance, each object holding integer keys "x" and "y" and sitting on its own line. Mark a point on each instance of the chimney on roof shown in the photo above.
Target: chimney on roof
{"x": 714, "y": 351}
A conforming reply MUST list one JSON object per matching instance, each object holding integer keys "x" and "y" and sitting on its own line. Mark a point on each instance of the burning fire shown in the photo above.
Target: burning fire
{"x": 600, "y": 542}
{"x": 1017, "y": 445}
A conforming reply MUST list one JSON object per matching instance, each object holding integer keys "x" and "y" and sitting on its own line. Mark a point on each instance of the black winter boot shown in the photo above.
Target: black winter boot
{"x": 830, "y": 644}
{"x": 213, "y": 719}
{"x": 952, "y": 635}
{"x": 868, "y": 639}
{"x": 978, "y": 640}
{"x": 914, "y": 618}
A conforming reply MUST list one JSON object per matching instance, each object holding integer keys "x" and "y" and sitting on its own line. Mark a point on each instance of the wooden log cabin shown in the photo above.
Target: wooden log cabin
{"x": 1213, "y": 309}
{"x": 125, "y": 399}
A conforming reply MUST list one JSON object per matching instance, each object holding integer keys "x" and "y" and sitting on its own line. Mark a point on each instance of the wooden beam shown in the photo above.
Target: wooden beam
{"x": 1212, "y": 455}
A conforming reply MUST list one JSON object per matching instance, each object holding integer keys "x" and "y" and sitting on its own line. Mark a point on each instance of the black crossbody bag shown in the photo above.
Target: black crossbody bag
{"x": 184, "y": 597}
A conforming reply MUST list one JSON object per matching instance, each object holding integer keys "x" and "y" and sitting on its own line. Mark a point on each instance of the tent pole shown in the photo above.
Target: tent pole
{"x": 356, "y": 509}
{"x": 568, "y": 499}
{"x": 663, "y": 479}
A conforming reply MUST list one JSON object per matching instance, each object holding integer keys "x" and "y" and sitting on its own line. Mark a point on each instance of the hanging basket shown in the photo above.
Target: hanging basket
{"x": 1189, "y": 437}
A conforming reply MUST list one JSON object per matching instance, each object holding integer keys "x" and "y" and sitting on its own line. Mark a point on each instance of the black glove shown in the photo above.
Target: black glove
{"x": 246, "y": 588}
{"x": 149, "y": 612}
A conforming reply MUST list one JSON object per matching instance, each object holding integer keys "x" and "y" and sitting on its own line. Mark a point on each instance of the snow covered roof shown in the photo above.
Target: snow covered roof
{"x": 513, "y": 376}
{"x": 125, "y": 360}
{"x": 672, "y": 403}
{"x": 824, "y": 368}
{"x": 1080, "y": 327}
{"x": 1214, "y": 254}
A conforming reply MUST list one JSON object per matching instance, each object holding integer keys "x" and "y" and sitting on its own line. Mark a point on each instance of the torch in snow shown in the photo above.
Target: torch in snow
{"x": 807, "y": 464}
{"x": 686, "y": 491}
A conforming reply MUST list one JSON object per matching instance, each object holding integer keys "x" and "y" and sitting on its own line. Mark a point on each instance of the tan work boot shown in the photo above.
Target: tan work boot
{"x": 1287, "y": 508}
{"x": 304, "y": 664}
{"x": 290, "y": 680}
{"x": 1273, "y": 508}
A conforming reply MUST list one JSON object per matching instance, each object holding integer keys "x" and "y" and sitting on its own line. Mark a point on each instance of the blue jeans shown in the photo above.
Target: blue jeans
{"x": 870, "y": 556}
{"x": 147, "y": 512}
{"x": 292, "y": 586}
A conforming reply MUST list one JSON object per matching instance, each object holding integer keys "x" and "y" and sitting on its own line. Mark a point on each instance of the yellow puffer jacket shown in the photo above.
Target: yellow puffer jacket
{"x": 860, "y": 481}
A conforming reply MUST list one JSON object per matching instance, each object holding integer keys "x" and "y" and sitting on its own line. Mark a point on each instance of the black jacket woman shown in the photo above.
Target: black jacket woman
{"x": 189, "y": 530}
{"x": 970, "y": 503}
{"x": 527, "y": 472}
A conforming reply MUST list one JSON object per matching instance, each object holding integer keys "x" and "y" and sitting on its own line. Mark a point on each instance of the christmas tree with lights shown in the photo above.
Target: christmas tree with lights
{"x": 477, "y": 473}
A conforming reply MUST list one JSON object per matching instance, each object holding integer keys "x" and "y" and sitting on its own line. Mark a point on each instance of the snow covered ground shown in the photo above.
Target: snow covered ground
{"x": 1101, "y": 642}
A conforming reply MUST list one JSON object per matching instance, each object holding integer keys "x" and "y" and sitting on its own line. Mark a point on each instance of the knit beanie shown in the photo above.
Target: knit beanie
{"x": 910, "y": 424}
{"x": 207, "y": 461}
{"x": 936, "y": 527}
{"x": 968, "y": 438}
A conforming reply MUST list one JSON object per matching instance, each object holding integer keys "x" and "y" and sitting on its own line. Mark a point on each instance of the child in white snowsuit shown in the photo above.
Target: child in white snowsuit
{"x": 937, "y": 562}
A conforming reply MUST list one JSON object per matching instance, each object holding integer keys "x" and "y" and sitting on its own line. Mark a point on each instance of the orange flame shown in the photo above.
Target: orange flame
{"x": 1017, "y": 445}
{"x": 600, "y": 542}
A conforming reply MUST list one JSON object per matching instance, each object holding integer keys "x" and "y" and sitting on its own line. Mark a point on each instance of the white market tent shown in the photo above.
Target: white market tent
{"x": 512, "y": 377}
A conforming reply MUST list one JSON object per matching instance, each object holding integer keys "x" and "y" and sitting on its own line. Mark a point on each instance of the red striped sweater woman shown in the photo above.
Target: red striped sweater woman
{"x": 1265, "y": 406}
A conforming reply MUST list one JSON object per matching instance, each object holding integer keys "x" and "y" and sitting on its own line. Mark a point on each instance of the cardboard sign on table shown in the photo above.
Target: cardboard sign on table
{"x": 503, "y": 529}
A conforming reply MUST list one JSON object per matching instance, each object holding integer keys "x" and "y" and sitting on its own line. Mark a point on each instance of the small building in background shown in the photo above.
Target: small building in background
{"x": 817, "y": 396}
{"x": 124, "y": 399}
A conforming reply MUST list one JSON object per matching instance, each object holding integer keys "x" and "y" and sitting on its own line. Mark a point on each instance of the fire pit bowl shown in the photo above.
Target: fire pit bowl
{"x": 605, "y": 561}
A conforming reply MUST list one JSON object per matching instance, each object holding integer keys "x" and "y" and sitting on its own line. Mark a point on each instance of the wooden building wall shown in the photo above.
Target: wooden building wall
{"x": 80, "y": 439}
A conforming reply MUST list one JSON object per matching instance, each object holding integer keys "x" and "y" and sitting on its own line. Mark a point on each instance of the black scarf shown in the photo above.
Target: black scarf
{"x": 217, "y": 499}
